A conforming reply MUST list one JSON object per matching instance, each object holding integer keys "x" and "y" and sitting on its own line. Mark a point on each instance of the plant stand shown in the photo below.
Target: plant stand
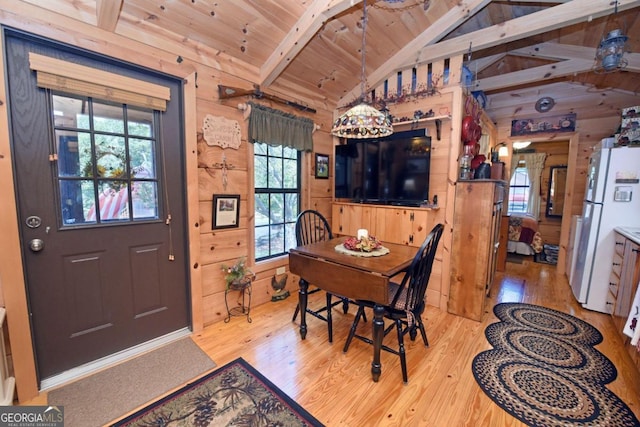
{"x": 244, "y": 286}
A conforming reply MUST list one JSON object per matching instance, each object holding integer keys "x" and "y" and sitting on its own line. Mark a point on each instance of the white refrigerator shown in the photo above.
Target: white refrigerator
{"x": 612, "y": 198}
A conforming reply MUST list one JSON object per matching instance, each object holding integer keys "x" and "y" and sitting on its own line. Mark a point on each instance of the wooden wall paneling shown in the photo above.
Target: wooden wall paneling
{"x": 213, "y": 278}
{"x": 455, "y": 69}
{"x": 322, "y": 205}
{"x": 456, "y": 111}
{"x": 210, "y": 182}
{"x": 223, "y": 245}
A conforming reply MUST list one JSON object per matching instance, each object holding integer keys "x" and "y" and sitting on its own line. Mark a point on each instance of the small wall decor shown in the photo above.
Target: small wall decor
{"x": 564, "y": 123}
{"x": 224, "y": 166}
{"x": 226, "y": 211}
{"x": 322, "y": 166}
{"x": 221, "y": 131}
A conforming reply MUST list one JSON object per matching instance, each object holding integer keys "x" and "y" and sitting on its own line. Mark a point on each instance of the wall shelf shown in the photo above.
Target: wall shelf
{"x": 417, "y": 123}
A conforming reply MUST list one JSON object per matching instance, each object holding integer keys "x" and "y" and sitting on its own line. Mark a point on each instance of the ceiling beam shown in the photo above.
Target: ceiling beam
{"x": 407, "y": 55}
{"x": 307, "y": 26}
{"x": 534, "y": 74}
{"x": 107, "y": 13}
{"x": 552, "y": 18}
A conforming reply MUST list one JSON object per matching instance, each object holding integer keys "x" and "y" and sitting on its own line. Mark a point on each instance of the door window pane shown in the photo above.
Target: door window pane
{"x": 111, "y": 156}
{"x": 70, "y": 112}
{"x": 105, "y": 175}
{"x": 108, "y": 118}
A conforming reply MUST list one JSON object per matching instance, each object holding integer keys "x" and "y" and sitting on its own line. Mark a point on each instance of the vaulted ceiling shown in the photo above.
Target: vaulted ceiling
{"x": 518, "y": 51}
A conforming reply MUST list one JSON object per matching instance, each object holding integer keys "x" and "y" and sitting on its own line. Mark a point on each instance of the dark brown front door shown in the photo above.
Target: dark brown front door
{"x": 101, "y": 210}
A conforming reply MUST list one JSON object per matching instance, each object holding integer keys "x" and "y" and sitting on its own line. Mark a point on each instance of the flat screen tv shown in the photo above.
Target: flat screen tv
{"x": 392, "y": 170}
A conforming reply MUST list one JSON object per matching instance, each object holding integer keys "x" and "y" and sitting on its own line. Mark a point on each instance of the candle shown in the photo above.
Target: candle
{"x": 362, "y": 234}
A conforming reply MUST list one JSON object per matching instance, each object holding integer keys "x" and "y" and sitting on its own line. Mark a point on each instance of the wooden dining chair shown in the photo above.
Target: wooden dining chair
{"x": 312, "y": 226}
{"x": 407, "y": 301}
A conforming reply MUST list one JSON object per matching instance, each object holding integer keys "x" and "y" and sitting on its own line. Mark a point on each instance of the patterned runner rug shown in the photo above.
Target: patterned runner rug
{"x": 545, "y": 371}
{"x": 234, "y": 395}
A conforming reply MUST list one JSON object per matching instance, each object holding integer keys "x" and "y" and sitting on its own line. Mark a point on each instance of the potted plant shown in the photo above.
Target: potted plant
{"x": 238, "y": 274}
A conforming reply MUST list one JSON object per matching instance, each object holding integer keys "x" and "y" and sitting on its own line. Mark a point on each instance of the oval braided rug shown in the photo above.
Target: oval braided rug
{"x": 544, "y": 370}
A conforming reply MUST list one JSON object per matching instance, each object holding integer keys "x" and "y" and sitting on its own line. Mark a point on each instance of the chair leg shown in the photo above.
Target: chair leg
{"x": 295, "y": 313}
{"x": 345, "y": 305}
{"x": 354, "y": 326}
{"x": 401, "y": 351}
{"x": 329, "y": 320}
{"x": 423, "y": 332}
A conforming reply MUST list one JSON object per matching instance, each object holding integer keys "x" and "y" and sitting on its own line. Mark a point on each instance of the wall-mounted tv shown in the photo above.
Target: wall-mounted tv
{"x": 392, "y": 170}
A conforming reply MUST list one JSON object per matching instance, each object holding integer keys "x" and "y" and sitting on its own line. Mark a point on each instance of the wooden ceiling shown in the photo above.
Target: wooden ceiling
{"x": 310, "y": 50}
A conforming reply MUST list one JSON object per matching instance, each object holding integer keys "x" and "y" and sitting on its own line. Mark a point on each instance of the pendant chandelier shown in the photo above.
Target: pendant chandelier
{"x": 363, "y": 120}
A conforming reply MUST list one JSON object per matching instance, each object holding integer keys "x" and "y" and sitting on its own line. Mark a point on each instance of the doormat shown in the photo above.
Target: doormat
{"x": 102, "y": 397}
{"x": 548, "y": 255}
{"x": 544, "y": 370}
{"x": 234, "y": 395}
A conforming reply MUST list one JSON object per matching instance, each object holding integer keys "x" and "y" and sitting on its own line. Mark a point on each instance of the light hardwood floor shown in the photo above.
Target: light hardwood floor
{"x": 337, "y": 387}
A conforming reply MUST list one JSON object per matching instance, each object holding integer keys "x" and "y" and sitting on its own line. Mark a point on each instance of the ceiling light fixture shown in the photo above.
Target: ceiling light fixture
{"x": 519, "y": 145}
{"x": 363, "y": 120}
{"x": 610, "y": 52}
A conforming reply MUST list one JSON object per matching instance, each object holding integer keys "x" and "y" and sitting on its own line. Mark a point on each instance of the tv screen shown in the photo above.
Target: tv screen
{"x": 392, "y": 170}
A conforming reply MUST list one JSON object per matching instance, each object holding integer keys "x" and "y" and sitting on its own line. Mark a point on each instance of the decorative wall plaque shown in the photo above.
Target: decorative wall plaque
{"x": 221, "y": 131}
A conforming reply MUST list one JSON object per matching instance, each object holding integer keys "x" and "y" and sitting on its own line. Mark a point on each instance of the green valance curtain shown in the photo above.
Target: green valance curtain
{"x": 276, "y": 127}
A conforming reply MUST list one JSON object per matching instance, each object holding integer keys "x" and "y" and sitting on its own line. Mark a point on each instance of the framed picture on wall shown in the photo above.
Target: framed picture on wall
{"x": 322, "y": 166}
{"x": 226, "y": 211}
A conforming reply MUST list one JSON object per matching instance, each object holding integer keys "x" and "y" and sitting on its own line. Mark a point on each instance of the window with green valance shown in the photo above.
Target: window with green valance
{"x": 275, "y": 127}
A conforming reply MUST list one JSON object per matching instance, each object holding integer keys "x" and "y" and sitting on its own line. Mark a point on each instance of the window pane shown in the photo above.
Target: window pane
{"x": 277, "y": 198}
{"x": 290, "y": 153}
{"x": 261, "y": 209}
{"x": 290, "y": 173}
{"x": 275, "y": 172}
{"x": 108, "y": 118}
{"x": 262, "y": 242}
{"x": 120, "y": 172}
{"x": 142, "y": 158}
{"x": 277, "y": 239}
{"x": 72, "y": 200}
{"x": 291, "y": 207}
{"x": 519, "y": 191}
{"x": 276, "y": 208}
{"x": 70, "y": 112}
{"x": 68, "y": 153}
{"x": 111, "y": 156}
{"x": 275, "y": 151}
{"x": 260, "y": 172}
{"x": 290, "y": 236}
{"x": 139, "y": 122}
{"x": 114, "y": 201}
{"x": 259, "y": 148}
{"x": 145, "y": 200}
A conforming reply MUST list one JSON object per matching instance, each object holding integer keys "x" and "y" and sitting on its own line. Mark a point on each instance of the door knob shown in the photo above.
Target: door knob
{"x": 36, "y": 245}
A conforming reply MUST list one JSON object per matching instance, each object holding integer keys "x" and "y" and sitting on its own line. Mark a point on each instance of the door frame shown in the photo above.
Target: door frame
{"x": 12, "y": 279}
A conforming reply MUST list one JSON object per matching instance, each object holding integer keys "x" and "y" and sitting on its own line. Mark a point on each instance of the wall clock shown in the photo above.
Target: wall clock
{"x": 545, "y": 104}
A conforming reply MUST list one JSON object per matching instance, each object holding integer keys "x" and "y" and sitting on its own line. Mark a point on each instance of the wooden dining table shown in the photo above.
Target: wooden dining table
{"x": 350, "y": 276}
